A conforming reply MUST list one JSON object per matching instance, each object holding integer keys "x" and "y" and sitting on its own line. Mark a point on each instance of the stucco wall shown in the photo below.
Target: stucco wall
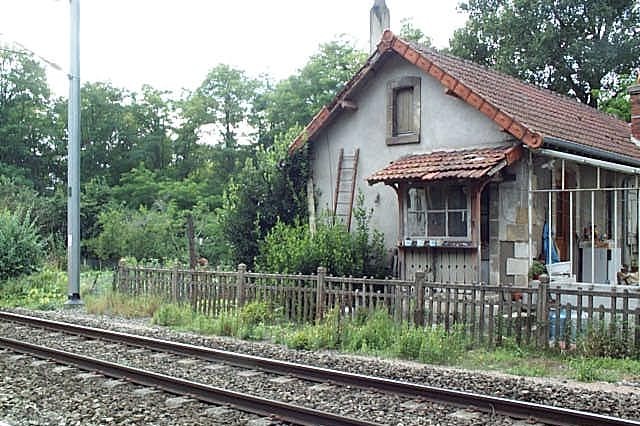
{"x": 446, "y": 123}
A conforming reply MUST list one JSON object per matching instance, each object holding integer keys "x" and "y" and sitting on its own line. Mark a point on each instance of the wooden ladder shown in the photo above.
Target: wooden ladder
{"x": 345, "y": 187}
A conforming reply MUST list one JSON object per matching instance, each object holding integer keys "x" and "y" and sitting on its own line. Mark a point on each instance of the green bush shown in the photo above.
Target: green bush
{"x": 409, "y": 343}
{"x": 293, "y": 249}
{"x": 156, "y": 233}
{"x": 605, "y": 340}
{"x": 593, "y": 369}
{"x": 377, "y": 333}
{"x": 113, "y": 303}
{"x": 42, "y": 290}
{"x": 173, "y": 315}
{"x": 326, "y": 335}
{"x": 21, "y": 248}
{"x": 258, "y": 313}
{"x": 442, "y": 347}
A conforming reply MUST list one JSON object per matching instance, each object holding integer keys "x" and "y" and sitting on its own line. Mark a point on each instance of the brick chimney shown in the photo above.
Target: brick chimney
{"x": 634, "y": 91}
{"x": 379, "y": 21}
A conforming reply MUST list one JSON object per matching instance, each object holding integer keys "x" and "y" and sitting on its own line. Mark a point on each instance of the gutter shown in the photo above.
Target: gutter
{"x": 589, "y": 161}
{"x": 591, "y": 151}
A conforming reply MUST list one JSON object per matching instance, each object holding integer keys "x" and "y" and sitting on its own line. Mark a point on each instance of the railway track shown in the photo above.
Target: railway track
{"x": 488, "y": 404}
{"x": 284, "y": 412}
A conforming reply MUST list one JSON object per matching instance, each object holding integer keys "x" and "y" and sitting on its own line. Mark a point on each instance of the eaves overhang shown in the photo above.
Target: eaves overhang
{"x": 392, "y": 44}
{"x": 581, "y": 149}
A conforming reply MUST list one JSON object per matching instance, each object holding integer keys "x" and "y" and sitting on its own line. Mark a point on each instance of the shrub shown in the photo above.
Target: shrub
{"x": 156, "y": 233}
{"x": 591, "y": 370}
{"x": 258, "y": 313}
{"x": 409, "y": 343}
{"x": 605, "y": 340}
{"x": 43, "y": 290}
{"x": 292, "y": 248}
{"x": 326, "y": 335}
{"x": 21, "y": 248}
{"x": 173, "y": 315}
{"x": 376, "y": 333}
{"x": 440, "y": 347}
{"x": 113, "y": 303}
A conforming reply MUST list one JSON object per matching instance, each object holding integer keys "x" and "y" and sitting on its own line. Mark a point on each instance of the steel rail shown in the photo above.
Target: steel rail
{"x": 551, "y": 415}
{"x": 285, "y": 412}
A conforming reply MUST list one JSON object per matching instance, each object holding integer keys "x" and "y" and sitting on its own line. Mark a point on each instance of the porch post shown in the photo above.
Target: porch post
{"x": 571, "y": 229}
{"x": 593, "y": 233}
{"x": 400, "y": 190}
{"x": 476, "y": 223}
{"x": 549, "y": 240}
{"x": 530, "y": 209}
{"x": 615, "y": 214}
{"x": 638, "y": 222}
{"x": 477, "y": 219}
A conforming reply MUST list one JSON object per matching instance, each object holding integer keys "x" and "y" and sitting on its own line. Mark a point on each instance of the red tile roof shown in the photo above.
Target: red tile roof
{"x": 460, "y": 164}
{"x": 527, "y": 112}
{"x": 540, "y": 110}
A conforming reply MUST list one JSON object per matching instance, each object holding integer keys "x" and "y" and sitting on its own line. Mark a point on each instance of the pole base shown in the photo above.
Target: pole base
{"x": 74, "y": 301}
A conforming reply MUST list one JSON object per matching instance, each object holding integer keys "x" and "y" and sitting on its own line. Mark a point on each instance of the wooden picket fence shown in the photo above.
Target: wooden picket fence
{"x": 536, "y": 315}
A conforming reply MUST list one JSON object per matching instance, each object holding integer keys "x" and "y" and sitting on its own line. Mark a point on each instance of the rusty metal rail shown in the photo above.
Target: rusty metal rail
{"x": 253, "y": 404}
{"x": 518, "y": 409}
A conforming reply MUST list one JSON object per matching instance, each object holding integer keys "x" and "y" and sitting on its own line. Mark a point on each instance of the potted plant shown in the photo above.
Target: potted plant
{"x": 537, "y": 268}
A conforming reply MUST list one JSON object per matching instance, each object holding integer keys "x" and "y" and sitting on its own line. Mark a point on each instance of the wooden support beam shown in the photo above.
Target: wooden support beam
{"x": 348, "y": 105}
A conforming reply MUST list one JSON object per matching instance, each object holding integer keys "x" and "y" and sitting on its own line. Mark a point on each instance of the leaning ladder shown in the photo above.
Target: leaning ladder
{"x": 345, "y": 187}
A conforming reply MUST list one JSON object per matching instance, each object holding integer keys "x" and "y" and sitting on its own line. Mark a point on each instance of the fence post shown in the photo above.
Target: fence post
{"x": 418, "y": 314}
{"x": 543, "y": 311}
{"x": 322, "y": 273}
{"x": 119, "y": 278}
{"x": 240, "y": 282}
{"x": 174, "y": 285}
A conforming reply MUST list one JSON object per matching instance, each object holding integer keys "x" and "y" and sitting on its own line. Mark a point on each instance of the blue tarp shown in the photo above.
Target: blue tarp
{"x": 550, "y": 256}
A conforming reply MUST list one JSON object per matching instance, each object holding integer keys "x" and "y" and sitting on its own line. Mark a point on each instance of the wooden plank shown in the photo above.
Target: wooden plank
{"x": 579, "y": 312}
{"x": 625, "y": 315}
{"x": 482, "y": 301}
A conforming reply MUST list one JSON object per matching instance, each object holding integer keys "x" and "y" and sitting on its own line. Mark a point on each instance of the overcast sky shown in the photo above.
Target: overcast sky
{"x": 171, "y": 44}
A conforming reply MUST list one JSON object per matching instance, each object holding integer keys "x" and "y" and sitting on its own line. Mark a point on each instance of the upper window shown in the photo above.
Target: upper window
{"x": 403, "y": 111}
{"x": 439, "y": 212}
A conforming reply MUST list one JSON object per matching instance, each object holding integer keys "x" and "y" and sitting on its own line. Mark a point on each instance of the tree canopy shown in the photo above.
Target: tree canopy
{"x": 150, "y": 160}
{"x": 565, "y": 45}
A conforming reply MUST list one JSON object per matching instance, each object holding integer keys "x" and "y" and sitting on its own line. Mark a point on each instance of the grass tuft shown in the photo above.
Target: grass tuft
{"x": 117, "y": 304}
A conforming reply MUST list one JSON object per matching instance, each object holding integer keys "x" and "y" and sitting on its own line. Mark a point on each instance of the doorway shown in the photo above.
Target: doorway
{"x": 563, "y": 215}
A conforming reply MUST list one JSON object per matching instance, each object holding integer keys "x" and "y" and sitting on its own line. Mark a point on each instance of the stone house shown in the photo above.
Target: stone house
{"x": 464, "y": 167}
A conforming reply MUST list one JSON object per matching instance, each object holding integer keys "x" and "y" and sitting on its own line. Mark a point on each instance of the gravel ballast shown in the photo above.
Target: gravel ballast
{"x": 622, "y": 401}
{"x": 34, "y": 392}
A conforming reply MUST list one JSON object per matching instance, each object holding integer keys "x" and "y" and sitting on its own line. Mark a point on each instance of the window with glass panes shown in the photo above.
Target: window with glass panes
{"x": 437, "y": 211}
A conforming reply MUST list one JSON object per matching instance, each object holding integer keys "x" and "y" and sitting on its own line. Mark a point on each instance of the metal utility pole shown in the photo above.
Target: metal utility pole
{"x": 73, "y": 160}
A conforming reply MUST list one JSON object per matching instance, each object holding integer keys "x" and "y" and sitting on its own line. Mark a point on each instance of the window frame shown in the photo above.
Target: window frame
{"x": 424, "y": 190}
{"x": 393, "y": 87}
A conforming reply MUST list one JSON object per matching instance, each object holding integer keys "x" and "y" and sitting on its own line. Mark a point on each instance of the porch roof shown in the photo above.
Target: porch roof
{"x": 439, "y": 165}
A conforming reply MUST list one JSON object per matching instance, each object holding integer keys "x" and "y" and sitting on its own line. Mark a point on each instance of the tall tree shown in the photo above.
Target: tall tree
{"x": 295, "y": 100}
{"x": 565, "y": 45}
{"x": 215, "y": 114}
{"x": 26, "y": 122}
{"x": 152, "y": 112}
{"x": 614, "y": 98}
{"x": 409, "y": 32}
